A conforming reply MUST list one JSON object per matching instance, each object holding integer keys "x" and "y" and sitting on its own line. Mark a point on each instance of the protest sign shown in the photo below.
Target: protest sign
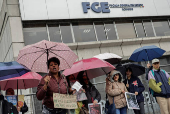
{"x": 131, "y": 101}
{"x": 20, "y": 100}
{"x": 65, "y": 101}
{"x": 81, "y": 96}
{"x": 12, "y": 99}
{"x": 95, "y": 109}
{"x": 77, "y": 86}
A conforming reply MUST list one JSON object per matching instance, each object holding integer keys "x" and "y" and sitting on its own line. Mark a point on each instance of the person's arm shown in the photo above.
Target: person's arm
{"x": 111, "y": 91}
{"x": 24, "y": 108}
{"x": 140, "y": 88}
{"x": 98, "y": 96}
{"x": 41, "y": 90}
{"x": 152, "y": 83}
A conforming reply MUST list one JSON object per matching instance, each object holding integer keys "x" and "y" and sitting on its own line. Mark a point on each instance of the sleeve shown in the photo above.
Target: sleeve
{"x": 14, "y": 109}
{"x": 41, "y": 93}
{"x": 98, "y": 96}
{"x": 141, "y": 88}
{"x": 125, "y": 88}
{"x": 111, "y": 91}
{"x": 24, "y": 108}
{"x": 167, "y": 75}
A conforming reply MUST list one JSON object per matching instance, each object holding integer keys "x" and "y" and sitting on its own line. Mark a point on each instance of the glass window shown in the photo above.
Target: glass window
{"x": 54, "y": 32}
{"x": 66, "y": 33}
{"x": 125, "y": 29}
{"x": 139, "y": 29}
{"x": 34, "y": 33}
{"x": 110, "y": 30}
{"x": 148, "y": 28}
{"x": 161, "y": 27}
{"x": 100, "y": 31}
{"x": 84, "y": 32}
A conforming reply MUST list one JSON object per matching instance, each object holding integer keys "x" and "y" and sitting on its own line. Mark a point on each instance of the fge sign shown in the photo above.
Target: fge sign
{"x": 104, "y": 7}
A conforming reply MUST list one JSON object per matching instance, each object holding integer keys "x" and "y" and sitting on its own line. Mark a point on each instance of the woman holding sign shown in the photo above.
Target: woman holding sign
{"x": 116, "y": 89}
{"x": 54, "y": 82}
{"x": 134, "y": 85}
{"x": 93, "y": 95}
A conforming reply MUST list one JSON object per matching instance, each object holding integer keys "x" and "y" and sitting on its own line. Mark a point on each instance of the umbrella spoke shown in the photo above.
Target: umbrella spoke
{"x": 36, "y": 59}
{"x": 39, "y": 47}
{"x": 58, "y": 50}
{"x": 31, "y": 53}
{"x": 60, "y": 57}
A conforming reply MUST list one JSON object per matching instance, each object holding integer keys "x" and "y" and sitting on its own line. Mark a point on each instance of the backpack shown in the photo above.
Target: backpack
{"x": 151, "y": 91}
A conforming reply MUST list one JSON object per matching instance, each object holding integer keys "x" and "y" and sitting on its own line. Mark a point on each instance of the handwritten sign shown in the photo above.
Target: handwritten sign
{"x": 64, "y": 101}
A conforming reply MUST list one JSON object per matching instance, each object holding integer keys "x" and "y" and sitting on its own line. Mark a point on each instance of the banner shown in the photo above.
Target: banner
{"x": 131, "y": 101}
{"x": 64, "y": 101}
{"x": 13, "y": 99}
{"x": 95, "y": 109}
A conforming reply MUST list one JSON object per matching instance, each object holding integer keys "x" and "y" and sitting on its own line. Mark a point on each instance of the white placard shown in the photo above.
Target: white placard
{"x": 76, "y": 86}
{"x": 131, "y": 101}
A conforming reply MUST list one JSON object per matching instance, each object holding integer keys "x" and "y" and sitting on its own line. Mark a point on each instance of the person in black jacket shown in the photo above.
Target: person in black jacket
{"x": 134, "y": 85}
{"x": 6, "y": 107}
{"x": 22, "y": 109}
{"x": 93, "y": 95}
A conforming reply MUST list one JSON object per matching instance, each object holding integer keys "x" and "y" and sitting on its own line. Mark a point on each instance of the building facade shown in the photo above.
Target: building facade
{"x": 89, "y": 28}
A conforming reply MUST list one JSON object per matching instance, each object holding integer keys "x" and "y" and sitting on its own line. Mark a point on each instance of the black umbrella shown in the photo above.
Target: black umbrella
{"x": 137, "y": 70}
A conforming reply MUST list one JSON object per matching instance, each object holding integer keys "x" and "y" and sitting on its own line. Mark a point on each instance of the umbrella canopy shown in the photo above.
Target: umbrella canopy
{"x": 35, "y": 56}
{"x": 28, "y": 80}
{"x": 11, "y": 70}
{"x": 137, "y": 70}
{"x": 109, "y": 57}
{"x": 93, "y": 66}
{"x": 147, "y": 53}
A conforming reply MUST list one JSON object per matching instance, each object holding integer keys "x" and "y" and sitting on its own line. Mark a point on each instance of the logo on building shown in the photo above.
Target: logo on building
{"x": 105, "y": 7}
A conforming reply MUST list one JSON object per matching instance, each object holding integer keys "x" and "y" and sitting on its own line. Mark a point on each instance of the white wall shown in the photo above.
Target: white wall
{"x": 72, "y": 9}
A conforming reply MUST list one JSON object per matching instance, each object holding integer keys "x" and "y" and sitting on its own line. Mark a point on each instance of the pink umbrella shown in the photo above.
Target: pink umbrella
{"x": 28, "y": 80}
{"x": 93, "y": 66}
{"x": 35, "y": 56}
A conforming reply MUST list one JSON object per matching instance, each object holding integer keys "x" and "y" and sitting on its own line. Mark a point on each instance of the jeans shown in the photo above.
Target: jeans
{"x": 141, "y": 111}
{"x": 121, "y": 110}
{"x": 46, "y": 111}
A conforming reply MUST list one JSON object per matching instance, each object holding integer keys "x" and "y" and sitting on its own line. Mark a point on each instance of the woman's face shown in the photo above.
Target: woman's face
{"x": 128, "y": 73}
{"x": 71, "y": 78}
{"x": 85, "y": 79}
{"x": 53, "y": 67}
{"x": 116, "y": 77}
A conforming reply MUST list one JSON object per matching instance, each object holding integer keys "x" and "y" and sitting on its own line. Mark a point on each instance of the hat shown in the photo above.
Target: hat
{"x": 155, "y": 61}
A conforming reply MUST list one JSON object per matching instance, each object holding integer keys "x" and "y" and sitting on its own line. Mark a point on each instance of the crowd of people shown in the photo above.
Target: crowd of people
{"x": 116, "y": 86}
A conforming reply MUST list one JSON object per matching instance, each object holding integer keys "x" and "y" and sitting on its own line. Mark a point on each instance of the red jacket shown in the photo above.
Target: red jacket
{"x": 53, "y": 87}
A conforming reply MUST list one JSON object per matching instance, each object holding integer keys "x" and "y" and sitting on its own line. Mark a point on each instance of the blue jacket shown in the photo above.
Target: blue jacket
{"x": 160, "y": 76}
{"x": 135, "y": 85}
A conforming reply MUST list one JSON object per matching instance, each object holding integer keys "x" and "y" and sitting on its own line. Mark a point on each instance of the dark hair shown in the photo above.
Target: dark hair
{"x": 10, "y": 89}
{"x": 53, "y": 59}
{"x": 129, "y": 69}
{"x": 68, "y": 81}
{"x": 80, "y": 79}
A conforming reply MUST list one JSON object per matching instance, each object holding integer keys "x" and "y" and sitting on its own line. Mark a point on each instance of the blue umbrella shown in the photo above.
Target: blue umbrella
{"x": 11, "y": 70}
{"x": 146, "y": 53}
{"x": 137, "y": 70}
